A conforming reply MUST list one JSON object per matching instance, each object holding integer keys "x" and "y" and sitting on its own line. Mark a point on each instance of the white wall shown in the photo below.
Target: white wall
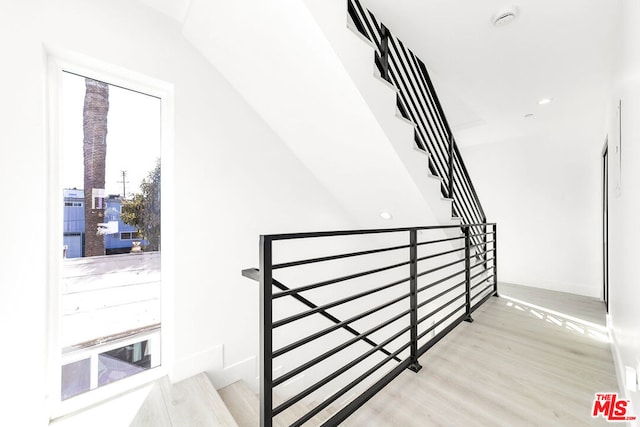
{"x": 234, "y": 179}
{"x": 544, "y": 193}
{"x": 276, "y": 54}
{"x": 624, "y": 203}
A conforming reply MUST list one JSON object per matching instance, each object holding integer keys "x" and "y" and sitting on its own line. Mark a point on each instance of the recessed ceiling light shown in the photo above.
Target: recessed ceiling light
{"x": 544, "y": 101}
{"x": 385, "y": 215}
{"x": 505, "y": 16}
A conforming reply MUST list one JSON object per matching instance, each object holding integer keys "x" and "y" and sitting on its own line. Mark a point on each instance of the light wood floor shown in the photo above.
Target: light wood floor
{"x": 531, "y": 358}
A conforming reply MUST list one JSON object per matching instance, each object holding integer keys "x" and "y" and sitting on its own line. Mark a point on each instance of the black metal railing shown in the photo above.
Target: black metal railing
{"x": 381, "y": 298}
{"x": 418, "y": 102}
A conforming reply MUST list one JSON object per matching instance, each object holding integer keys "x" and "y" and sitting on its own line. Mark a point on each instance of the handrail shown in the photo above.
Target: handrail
{"x": 428, "y": 296}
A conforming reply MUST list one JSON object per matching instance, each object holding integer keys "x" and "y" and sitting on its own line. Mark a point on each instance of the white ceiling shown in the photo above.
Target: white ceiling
{"x": 176, "y": 9}
{"x": 489, "y": 77}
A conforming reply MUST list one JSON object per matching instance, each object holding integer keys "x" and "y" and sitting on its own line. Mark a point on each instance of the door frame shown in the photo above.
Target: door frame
{"x": 605, "y": 223}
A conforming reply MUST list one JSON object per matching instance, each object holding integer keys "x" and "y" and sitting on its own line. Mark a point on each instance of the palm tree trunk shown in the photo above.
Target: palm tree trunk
{"x": 96, "y": 107}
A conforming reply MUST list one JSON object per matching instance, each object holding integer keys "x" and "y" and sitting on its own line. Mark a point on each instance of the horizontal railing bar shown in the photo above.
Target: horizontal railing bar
{"x": 440, "y": 268}
{"x": 442, "y": 307}
{"x": 320, "y": 358}
{"x": 356, "y": 403}
{"x": 482, "y": 253}
{"x": 440, "y": 254}
{"x": 479, "y": 244}
{"x": 483, "y": 234}
{"x": 440, "y": 322}
{"x": 480, "y": 283}
{"x": 435, "y": 297}
{"x": 338, "y": 280}
{"x": 304, "y": 314}
{"x": 483, "y": 300}
{"x": 328, "y": 401}
{"x": 253, "y": 273}
{"x": 330, "y": 329}
{"x": 433, "y": 341}
{"x": 441, "y": 240}
{"x": 479, "y": 273}
{"x": 437, "y": 282}
{"x": 337, "y": 373}
{"x": 290, "y": 236}
{"x": 483, "y": 244}
{"x": 483, "y": 262}
{"x": 334, "y": 257}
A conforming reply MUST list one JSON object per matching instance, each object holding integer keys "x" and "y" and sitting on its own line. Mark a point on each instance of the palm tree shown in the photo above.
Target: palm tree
{"x": 96, "y": 107}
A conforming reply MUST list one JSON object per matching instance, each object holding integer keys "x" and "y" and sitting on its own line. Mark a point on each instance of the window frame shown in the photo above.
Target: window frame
{"x": 59, "y": 61}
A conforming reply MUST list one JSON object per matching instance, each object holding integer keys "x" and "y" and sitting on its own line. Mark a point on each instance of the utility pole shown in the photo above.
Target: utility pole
{"x": 124, "y": 183}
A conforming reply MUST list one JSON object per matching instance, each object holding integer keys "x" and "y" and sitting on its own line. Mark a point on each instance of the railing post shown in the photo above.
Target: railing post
{"x": 413, "y": 298}
{"x": 384, "y": 52}
{"x": 467, "y": 272}
{"x": 495, "y": 260}
{"x": 450, "y": 177}
{"x": 485, "y": 242}
{"x": 266, "y": 342}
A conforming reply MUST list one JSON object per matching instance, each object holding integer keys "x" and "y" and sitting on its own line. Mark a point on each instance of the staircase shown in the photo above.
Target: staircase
{"x": 356, "y": 145}
{"x": 244, "y": 405}
{"x": 358, "y": 109}
{"x": 301, "y": 348}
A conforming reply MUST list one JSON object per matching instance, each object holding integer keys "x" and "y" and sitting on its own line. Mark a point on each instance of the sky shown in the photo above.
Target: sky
{"x": 133, "y": 136}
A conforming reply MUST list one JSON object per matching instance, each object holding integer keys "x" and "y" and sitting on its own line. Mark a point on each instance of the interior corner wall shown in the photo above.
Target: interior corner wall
{"x": 544, "y": 194}
{"x": 624, "y": 200}
{"x": 234, "y": 179}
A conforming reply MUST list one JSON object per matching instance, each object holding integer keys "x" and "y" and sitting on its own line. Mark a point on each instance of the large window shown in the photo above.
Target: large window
{"x": 109, "y": 285}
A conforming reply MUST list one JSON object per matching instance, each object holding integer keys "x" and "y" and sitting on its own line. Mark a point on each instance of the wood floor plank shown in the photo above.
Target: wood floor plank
{"x": 518, "y": 364}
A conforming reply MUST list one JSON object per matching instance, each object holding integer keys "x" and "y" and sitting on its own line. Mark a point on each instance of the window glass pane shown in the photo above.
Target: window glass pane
{"x": 76, "y": 378}
{"x": 123, "y": 362}
{"x": 110, "y": 284}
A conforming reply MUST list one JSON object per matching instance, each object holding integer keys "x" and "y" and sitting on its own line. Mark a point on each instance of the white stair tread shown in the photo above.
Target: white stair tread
{"x": 405, "y": 120}
{"x": 244, "y": 405}
{"x": 192, "y": 402}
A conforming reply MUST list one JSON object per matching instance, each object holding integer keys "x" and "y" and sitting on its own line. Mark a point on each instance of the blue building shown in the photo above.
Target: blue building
{"x": 119, "y": 237}
{"x": 73, "y": 236}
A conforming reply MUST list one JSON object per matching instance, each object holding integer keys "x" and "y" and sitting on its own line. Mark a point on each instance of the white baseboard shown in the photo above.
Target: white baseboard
{"x": 619, "y": 365}
{"x": 211, "y": 359}
{"x": 243, "y": 370}
{"x": 212, "y": 362}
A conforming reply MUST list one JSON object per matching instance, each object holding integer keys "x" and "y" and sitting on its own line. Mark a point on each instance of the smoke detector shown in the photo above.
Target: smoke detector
{"x": 505, "y": 16}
